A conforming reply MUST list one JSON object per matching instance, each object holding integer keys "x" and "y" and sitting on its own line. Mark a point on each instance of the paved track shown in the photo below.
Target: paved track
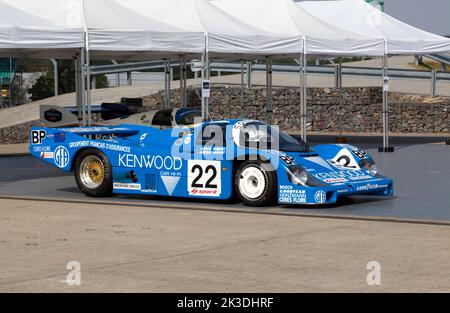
{"x": 419, "y": 171}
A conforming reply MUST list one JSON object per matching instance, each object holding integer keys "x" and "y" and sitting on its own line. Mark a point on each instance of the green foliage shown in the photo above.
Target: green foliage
{"x": 44, "y": 86}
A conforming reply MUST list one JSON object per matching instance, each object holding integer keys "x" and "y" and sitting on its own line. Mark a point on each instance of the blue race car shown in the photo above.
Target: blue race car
{"x": 171, "y": 155}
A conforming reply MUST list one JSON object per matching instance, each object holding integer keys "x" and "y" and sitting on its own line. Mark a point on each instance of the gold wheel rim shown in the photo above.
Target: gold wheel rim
{"x": 92, "y": 172}
{"x": 96, "y": 171}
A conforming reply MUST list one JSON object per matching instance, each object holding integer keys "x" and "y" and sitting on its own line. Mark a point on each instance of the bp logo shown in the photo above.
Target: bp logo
{"x": 320, "y": 197}
{"x": 61, "y": 157}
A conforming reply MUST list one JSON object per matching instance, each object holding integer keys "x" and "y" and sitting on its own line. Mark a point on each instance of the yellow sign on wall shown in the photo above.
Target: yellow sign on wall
{"x": 5, "y": 93}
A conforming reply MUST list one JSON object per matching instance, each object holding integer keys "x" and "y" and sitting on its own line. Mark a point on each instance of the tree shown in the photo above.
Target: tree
{"x": 45, "y": 85}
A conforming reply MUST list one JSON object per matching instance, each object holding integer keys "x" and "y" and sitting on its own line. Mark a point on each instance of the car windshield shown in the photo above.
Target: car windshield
{"x": 188, "y": 116}
{"x": 262, "y": 136}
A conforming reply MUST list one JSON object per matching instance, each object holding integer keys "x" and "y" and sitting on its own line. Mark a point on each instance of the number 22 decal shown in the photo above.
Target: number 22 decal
{"x": 199, "y": 170}
{"x": 204, "y": 178}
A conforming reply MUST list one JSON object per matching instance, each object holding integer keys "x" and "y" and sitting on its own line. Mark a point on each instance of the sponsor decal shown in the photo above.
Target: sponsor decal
{"x": 53, "y": 116}
{"x": 79, "y": 144}
{"x": 345, "y": 159}
{"x": 61, "y": 157}
{"x": 37, "y": 136}
{"x": 320, "y": 197}
{"x": 40, "y": 149}
{"x": 335, "y": 180}
{"x": 144, "y": 136}
{"x": 204, "y": 178}
{"x": 360, "y": 153}
{"x": 288, "y": 194}
{"x": 158, "y": 162}
{"x": 345, "y": 174}
{"x": 287, "y": 159}
{"x": 369, "y": 187}
{"x": 215, "y": 150}
{"x": 47, "y": 155}
{"x": 100, "y": 145}
{"x": 124, "y": 186}
{"x": 170, "y": 182}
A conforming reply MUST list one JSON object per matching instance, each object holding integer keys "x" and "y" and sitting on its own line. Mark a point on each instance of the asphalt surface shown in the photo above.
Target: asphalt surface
{"x": 420, "y": 174}
{"x": 141, "y": 249}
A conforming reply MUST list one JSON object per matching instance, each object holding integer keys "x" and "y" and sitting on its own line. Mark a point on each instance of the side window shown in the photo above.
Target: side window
{"x": 163, "y": 118}
{"x": 212, "y": 135}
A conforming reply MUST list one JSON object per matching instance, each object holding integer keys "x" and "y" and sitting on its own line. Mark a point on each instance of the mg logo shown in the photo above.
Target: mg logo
{"x": 61, "y": 157}
{"x": 320, "y": 197}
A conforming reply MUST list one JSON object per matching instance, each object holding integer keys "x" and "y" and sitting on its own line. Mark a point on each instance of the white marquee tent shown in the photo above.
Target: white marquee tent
{"x": 399, "y": 38}
{"x": 112, "y": 30}
{"x": 231, "y": 29}
{"x": 319, "y": 36}
{"x": 225, "y": 36}
{"x": 284, "y": 17}
{"x": 25, "y": 34}
{"x": 360, "y": 16}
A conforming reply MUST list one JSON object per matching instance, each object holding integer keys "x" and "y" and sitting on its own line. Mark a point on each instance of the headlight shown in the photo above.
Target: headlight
{"x": 369, "y": 166}
{"x": 373, "y": 170}
{"x": 297, "y": 175}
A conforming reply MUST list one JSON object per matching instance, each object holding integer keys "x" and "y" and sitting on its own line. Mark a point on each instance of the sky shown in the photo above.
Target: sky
{"x": 429, "y": 15}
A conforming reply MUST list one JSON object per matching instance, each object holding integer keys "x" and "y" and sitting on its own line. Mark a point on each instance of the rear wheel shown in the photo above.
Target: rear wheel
{"x": 255, "y": 183}
{"x": 93, "y": 173}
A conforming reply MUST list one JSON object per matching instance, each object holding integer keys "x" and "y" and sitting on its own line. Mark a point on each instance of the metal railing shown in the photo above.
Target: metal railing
{"x": 236, "y": 67}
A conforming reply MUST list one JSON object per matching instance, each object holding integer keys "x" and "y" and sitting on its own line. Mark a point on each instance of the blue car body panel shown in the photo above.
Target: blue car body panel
{"x": 176, "y": 162}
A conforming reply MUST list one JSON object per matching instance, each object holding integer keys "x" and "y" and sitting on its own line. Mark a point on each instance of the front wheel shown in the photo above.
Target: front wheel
{"x": 255, "y": 183}
{"x": 93, "y": 173}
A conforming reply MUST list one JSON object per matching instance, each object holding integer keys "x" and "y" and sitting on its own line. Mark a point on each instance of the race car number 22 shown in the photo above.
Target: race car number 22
{"x": 204, "y": 178}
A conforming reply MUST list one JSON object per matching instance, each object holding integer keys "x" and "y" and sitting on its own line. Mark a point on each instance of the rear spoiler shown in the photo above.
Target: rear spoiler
{"x": 56, "y": 116}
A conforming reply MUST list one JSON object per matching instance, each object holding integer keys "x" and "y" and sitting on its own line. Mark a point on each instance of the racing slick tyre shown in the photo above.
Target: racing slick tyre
{"x": 255, "y": 183}
{"x": 93, "y": 173}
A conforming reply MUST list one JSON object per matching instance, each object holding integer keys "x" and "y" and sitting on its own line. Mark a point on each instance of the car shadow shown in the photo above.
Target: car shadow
{"x": 341, "y": 203}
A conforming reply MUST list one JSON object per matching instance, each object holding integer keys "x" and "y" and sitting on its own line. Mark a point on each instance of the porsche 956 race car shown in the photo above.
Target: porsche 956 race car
{"x": 208, "y": 160}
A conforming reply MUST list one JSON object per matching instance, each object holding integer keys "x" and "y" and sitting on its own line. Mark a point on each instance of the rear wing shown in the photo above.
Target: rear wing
{"x": 101, "y": 131}
{"x": 57, "y": 116}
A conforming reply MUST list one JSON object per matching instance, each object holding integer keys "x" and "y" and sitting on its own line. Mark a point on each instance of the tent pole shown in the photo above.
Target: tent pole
{"x": 303, "y": 97}
{"x": 385, "y": 82}
{"x": 83, "y": 86}
{"x": 88, "y": 87}
{"x": 185, "y": 104}
{"x": 181, "y": 83}
{"x": 78, "y": 86}
{"x": 56, "y": 74}
{"x": 249, "y": 75}
{"x": 205, "y": 76}
{"x": 167, "y": 83}
{"x": 303, "y": 91}
{"x": 184, "y": 71}
{"x": 242, "y": 87}
{"x": 208, "y": 76}
{"x": 269, "y": 89}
